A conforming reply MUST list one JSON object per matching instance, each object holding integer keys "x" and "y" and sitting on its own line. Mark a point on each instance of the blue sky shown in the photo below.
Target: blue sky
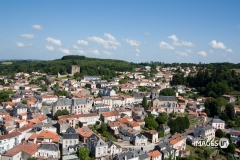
{"x": 134, "y": 30}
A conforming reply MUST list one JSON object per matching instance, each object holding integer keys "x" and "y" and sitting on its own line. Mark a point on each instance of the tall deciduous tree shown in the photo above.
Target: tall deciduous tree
{"x": 103, "y": 127}
{"x": 144, "y": 103}
{"x": 167, "y": 92}
{"x": 83, "y": 153}
{"x": 229, "y": 110}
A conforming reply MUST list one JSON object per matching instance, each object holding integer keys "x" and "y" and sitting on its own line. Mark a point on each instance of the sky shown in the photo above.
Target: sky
{"x": 183, "y": 31}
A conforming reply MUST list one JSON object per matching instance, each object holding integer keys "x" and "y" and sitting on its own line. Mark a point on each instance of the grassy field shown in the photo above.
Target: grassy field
{"x": 7, "y": 63}
{"x": 237, "y": 70}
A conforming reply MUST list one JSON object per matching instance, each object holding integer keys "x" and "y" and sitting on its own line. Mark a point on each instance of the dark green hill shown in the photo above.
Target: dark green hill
{"x": 88, "y": 66}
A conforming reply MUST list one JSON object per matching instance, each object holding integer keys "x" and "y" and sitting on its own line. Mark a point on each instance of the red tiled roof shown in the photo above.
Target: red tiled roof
{"x": 176, "y": 140}
{"x": 84, "y": 131}
{"x": 154, "y": 154}
{"x": 29, "y": 148}
{"x": 10, "y": 135}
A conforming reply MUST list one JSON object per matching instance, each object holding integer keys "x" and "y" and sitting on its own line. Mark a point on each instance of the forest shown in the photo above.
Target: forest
{"x": 213, "y": 79}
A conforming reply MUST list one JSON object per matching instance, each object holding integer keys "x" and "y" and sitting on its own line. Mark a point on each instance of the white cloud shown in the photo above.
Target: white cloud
{"x": 133, "y": 42}
{"x": 94, "y": 51}
{"x": 188, "y": 50}
{"x": 20, "y": 44}
{"x": 137, "y": 50}
{"x": 54, "y": 41}
{"x": 37, "y": 26}
{"x": 30, "y": 36}
{"x": 181, "y": 53}
{"x": 75, "y": 47}
{"x": 229, "y": 50}
{"x": 137, "y": 55}
{"x": 173, "y": 37}
{"x": 211, "y": 51}
{"x": 176, "y": 42}
{"x": 66, "y": 51}
{"x": 106, "y": 52}
{"x": 111, "y": 40}
{"x": 102, "y": 42}
{"x": 217, "y": 45}
{"x": 50, "y": 48}
{"x": 147, "y": 33}
{"x": 229, "y": 59}
{"x": 164, "y": 45}
{"x": 82, "y": 42}
{"x": 202, "y": 53}
{"x": 80, "y": 51}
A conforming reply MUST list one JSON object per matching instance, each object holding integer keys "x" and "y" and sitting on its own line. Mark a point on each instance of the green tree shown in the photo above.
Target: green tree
{"x": 213, "y": 106}
{"x": 167, "y": 92}
{"x": 144, "y": 103}
{"x": 150, "y": 122}
{"x": 83, "y": 153}
{"x": 99, "y": 95}
{"x": 224, "y": 117}
{"x": 160, "y": 134}
{"x": 65, "y": 112}
{"x": 103, "y": 127}
{"x": 77, "y": 75}
{"x": 219, "y": 133}
{"x": 149, "y": 104}
{"x": 24, "y": 101}
{"x": 229, "y": 110}
{"x": 230, "y": 149}
{"x": 162, "y": 118}
{"x": 5, "y": 95}
{"x": 57, "y": 113}
{"x": 206, "y": 153}
{"x": 56, "y": 85}
{"x": 222, "y": 102}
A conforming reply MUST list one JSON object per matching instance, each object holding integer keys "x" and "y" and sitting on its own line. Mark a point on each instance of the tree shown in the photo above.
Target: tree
{"x": 83, "y": 153}
{"x": 77, "y": 75}
{"x": 229, "y": 110}
{"x": 206, "y": 153}
{"x": 222, "y": 102}
{"x": 103, "y": 127}
{"x": 167, "y": 92}
{"x": 230, "y": 149}
{"x": 24, "y": 101}
{"x": 144, "y": 103}
{"x": 162, "y": 118}
{"x": 60, "y": 113}
{"x": 150, "y": 122}
{"x": 224, "y": 117}
{"x": 149, "y": 104}
{"x": 160, "y": 134}
{"x": 213, "y": 106}
{"x": 65, "y": 112}
{"x": 99, "y": 95}
{"x": 57, "y": 113}
{"x": 219, "y": 133}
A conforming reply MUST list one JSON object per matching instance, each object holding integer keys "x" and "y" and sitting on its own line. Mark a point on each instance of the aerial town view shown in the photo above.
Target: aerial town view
{"x": 119, "y": 80}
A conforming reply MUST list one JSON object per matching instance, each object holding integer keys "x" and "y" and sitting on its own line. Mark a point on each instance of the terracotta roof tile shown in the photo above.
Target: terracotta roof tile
{"x": 84, "y": 131}
{"x": 29, "y": 148}
{"x": 176, "y": 140}
{"x": 45, "y": 134}
{"x": 10, "y": 135}
{"x": 154, "y": 154}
